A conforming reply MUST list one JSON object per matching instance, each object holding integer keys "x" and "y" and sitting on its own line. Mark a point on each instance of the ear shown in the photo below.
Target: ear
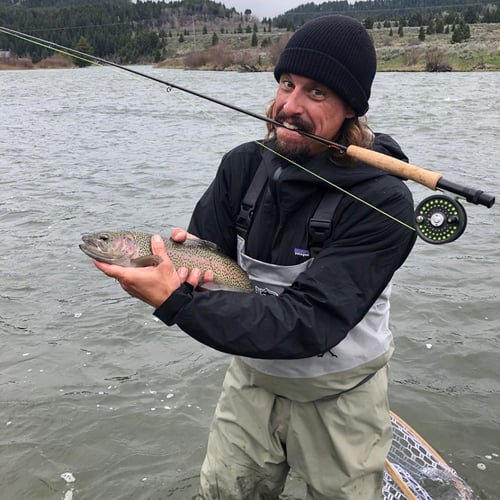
{"x": 350, "y": 113}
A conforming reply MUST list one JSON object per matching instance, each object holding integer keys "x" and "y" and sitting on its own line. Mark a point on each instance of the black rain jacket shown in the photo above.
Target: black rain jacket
{"x": 354, "y": 266}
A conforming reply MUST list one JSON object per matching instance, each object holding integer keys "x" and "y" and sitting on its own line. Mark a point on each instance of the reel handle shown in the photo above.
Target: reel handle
{"x": 471, "y": 195}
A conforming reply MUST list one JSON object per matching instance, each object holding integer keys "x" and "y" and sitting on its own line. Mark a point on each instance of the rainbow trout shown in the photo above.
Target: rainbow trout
{"x": 133, "y": 249}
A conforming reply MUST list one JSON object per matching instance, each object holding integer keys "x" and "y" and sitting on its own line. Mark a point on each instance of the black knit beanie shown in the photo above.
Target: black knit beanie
{"x": 337, "y": 52}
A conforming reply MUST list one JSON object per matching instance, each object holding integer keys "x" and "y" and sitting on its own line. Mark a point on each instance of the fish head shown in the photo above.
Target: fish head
{"x": 112, "y": 247}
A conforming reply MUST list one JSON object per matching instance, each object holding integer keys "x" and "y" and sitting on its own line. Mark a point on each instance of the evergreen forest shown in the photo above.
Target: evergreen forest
{"x": 147, "y": 31}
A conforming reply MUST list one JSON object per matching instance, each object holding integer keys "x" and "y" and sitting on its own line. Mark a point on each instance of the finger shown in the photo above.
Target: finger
{"x": 194, "y": 277}
{"x": 209, "y": 275}
{"x": 109, "y": 269}
{"x": 179, "y": 234}
{"x": 183, "y": 273}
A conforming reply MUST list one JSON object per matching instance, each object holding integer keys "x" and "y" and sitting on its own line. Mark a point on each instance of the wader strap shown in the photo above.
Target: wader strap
{"x": 244, "y": 220}
{"x": 321, "y": 223}
{"x": 359, "y": 384}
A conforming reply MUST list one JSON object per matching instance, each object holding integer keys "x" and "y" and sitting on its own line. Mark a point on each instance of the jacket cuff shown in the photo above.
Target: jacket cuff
{"x": 169, "y": 309}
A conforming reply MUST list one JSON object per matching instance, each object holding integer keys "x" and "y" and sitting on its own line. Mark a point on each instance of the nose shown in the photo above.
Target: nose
{"x": 294, "y": 104}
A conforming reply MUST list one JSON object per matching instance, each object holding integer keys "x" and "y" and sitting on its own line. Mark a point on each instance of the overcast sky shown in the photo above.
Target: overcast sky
{"x": 265, "y": 8}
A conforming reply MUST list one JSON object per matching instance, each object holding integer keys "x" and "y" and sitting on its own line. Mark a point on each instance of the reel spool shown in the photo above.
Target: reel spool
{"x": 440, "y": 219}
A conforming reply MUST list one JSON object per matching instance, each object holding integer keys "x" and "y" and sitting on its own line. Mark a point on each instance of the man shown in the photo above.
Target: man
{"x": 307, "y": 387}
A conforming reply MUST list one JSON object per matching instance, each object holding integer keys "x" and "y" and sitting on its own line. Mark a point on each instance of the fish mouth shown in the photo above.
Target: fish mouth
{"x": 93, "y": 244}
{"x": 100, "y": 241}
{"x": 94, "y": 252}
{"x": 98, "y": 249}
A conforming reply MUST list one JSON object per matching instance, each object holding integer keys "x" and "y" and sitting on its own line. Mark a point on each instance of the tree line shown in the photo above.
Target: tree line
{"x": 410, "y": 12}
{"x": 115, "y": 29}
{"x": 129, "y": 32}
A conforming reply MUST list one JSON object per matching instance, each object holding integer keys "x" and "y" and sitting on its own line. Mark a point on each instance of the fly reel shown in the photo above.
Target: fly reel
{"x": 440, "y": 219}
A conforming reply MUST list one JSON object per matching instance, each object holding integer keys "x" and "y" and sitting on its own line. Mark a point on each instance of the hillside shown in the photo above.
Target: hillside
{"x": 481, "y": 52}
{"x": 206, "y": 35}
{"x": 395, "y": 53}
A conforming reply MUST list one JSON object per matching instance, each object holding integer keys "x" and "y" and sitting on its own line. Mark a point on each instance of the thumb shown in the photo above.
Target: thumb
{"x": 158, "y": 246}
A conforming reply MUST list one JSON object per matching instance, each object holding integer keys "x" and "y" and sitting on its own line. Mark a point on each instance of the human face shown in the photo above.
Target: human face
{"x": 310, "y": 106}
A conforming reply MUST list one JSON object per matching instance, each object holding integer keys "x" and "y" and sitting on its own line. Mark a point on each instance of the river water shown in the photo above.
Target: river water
{"x": 99, "y": 400}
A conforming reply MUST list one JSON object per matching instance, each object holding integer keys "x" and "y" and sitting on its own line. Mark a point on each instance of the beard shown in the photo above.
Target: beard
{"x": 295, "y": 150}
{"x": 291, "y": 150}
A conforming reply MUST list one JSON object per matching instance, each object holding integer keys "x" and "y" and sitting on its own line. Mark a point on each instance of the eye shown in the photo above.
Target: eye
{"x": 318, "y": 93}
{"x": 104, "y": 237}
{"x": 286, "y": 84}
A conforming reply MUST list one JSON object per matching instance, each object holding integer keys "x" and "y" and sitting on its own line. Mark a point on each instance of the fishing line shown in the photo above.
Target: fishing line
{"x": 432, "y": 180}
{"x": 305, "y": 169}
{"x": 449, "y": 225}
{"x": 101, "y": 62}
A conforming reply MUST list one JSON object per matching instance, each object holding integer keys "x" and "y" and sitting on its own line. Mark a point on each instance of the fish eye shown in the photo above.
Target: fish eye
{"x": 104, "y": 237}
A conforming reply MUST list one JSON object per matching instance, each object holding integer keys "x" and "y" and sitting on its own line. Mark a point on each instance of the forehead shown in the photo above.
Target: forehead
{"x": 302, "y": 80}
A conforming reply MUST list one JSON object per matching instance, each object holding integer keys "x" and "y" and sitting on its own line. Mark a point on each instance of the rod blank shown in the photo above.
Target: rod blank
{"x": 432, "y": 180}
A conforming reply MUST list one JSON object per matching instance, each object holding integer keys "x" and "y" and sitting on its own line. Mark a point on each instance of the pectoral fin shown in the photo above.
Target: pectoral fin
{"x": 149, "y": 260}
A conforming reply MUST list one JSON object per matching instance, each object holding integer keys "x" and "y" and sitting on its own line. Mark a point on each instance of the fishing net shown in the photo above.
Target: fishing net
{"x": 415, "y": 471}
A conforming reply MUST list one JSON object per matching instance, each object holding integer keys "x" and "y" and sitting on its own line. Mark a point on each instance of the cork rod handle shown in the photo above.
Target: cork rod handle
{"x": 395, "y": 166}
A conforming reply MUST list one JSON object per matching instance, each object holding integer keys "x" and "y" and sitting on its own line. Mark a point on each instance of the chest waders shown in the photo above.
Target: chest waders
{"x": 366, "y": 348}
{"x": 302, "y": 414}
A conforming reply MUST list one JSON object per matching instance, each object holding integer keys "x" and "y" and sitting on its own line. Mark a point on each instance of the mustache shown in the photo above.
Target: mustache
{"x": 295, "y": 121}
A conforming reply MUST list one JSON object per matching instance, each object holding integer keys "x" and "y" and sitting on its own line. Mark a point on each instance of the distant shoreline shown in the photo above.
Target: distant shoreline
{"x": 402, "y": 69}
{"x": 24, "y": 63}
{"x": 436, "y": 53}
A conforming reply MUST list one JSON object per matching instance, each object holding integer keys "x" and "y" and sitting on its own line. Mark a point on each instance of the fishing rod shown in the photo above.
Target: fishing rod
{"x": 439, "y": 219}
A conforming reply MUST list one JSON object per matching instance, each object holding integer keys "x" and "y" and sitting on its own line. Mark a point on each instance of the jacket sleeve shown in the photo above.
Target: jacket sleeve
{"x": 324, "y": 303}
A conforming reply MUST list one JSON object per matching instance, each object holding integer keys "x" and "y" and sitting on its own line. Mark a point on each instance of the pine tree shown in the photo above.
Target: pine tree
{"x": 255, "y": 40}
{"x": 83, "y": 45}
{"x": 461, "y": 32}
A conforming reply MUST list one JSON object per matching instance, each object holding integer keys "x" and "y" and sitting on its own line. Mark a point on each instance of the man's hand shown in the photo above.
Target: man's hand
{"x": 179, "y": 235}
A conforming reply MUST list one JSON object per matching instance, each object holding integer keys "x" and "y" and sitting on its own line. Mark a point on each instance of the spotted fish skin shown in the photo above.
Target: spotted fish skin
{"x": 133, "y": 249}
